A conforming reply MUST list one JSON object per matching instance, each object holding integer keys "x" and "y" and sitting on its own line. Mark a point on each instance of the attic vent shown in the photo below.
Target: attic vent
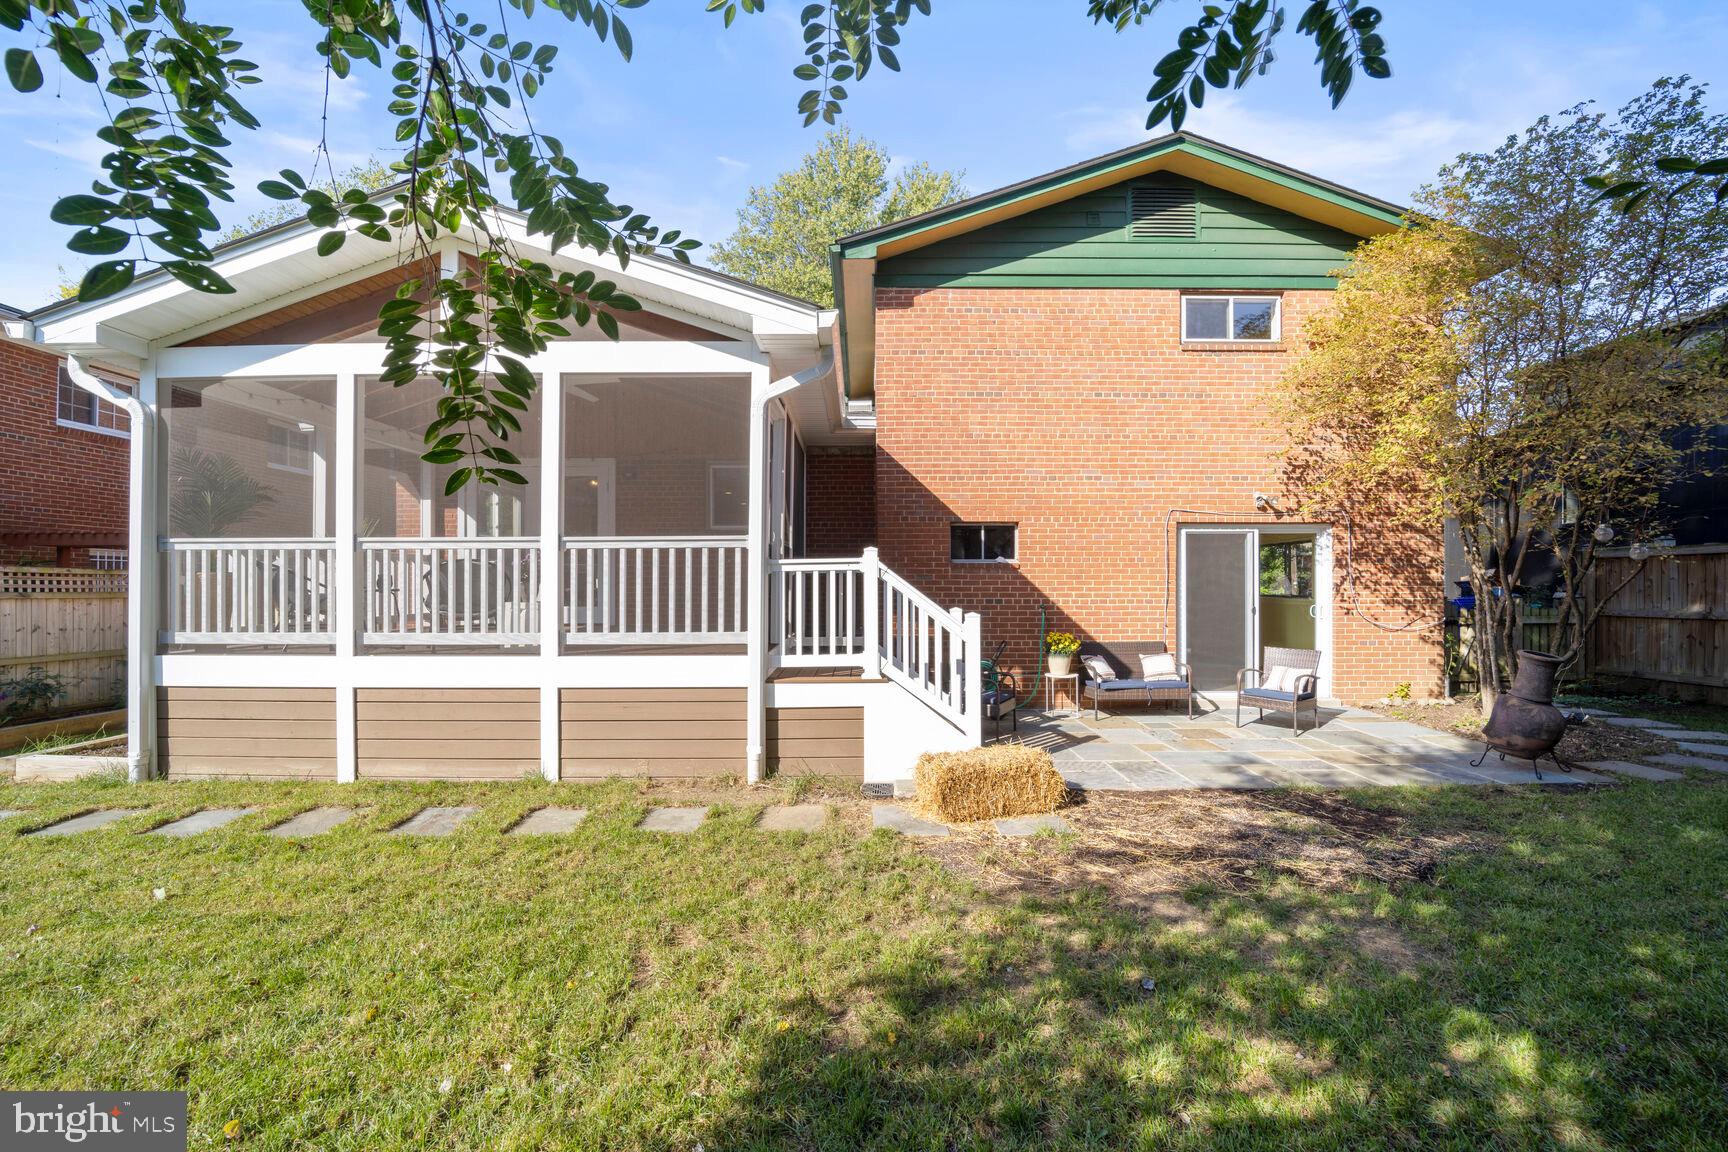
{"x": 1160, "y": 210}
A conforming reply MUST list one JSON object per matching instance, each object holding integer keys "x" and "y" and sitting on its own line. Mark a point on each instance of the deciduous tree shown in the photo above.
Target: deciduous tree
{"x": 1520, "y": 358}
{"x": 844, "y": 186}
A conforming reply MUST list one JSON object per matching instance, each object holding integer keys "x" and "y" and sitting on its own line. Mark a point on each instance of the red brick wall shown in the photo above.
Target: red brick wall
{"x": 1078, "y": 415}
{"x": 840, "y": 501}
{"x": 54, "y": 481}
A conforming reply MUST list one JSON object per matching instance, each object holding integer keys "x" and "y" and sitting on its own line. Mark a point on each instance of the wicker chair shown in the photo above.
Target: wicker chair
{"x": 1130, "y": 688}
{"x": 1302, "y": 698}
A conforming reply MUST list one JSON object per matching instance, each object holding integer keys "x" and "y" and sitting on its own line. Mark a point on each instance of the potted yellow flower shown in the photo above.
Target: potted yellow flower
{"x": 1061, "y": 647}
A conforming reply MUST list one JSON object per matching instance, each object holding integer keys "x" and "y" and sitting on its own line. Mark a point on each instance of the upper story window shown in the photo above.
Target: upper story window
{"x": 983, "y": 543}
{"x": 290, "y": 446}
{"x": 1247, "y": 319}
{"x": 76, "y": 408}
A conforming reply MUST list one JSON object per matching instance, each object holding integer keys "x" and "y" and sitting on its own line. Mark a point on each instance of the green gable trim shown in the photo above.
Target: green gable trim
{"x": 1084, "y": 242}
{"x": 864, "y": 245}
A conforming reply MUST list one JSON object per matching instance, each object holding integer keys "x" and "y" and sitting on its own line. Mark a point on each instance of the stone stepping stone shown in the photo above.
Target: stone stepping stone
{"x": 315, "y": 822}
{"x": 1699, "y": 749}
{"x": 1018, "y": 826}
{"x": 202, "y": 821}
{"x": 101, "y": 818}
{"x": 1701, "y": 734}
{"x": 793, "y": 818}
{"x": 433, "y": 822}
{"x": 1640, "y": 771}
{"x": 1676, "y": 760}
{"x": 549, "y": 821}
{"x": 675, "y": 820}
{"x": 8, "y": 813}
{"x": 1637, "y": 722}
{"x": 897, "y": 819}
{"x": 905, "y": 789}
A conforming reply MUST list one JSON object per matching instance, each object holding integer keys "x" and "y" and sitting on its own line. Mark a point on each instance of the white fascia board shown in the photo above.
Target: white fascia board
{"x": 670, "y": 357}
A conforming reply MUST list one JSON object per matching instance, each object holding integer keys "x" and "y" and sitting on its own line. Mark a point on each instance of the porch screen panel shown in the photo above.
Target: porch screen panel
{"x": 656, "y": 473}
{"x": 1215, "y": 580}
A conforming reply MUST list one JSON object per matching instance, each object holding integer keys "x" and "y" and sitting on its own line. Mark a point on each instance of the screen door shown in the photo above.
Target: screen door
{"x": 1218, "y": 604}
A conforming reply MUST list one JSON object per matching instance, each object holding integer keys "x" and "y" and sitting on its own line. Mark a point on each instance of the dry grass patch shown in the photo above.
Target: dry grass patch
{"x": 988, "y": 783}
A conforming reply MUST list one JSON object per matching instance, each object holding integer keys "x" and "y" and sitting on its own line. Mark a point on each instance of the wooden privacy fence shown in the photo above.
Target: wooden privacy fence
{"x": 69, "y": 622}
{"x": 1669, "y": 625}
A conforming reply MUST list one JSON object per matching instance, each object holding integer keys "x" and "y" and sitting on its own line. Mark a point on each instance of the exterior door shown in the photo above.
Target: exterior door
{"x": 1219, "y": 599}
{"x": 590, "y": 510}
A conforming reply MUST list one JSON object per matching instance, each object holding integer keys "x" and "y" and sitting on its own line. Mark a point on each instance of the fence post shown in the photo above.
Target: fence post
{"x": 972, "y": 676}
{"x": 871, "y": 594}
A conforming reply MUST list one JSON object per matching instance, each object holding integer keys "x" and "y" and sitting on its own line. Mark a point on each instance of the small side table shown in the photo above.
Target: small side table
{"x": 1050, "y": 691}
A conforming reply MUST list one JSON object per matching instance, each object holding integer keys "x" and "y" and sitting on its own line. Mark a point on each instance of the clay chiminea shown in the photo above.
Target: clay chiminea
{"x": 1525, "y": 722}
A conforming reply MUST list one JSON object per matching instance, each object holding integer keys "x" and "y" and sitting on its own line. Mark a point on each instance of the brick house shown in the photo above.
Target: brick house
{"x": 62, "y": 461}
{"x": 756, "y": 535}
{"x": 1071, "y": 381}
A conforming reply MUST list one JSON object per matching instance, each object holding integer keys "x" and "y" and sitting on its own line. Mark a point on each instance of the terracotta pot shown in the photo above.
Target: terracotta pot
{"x": 1061, "y": 665}
{"x": 1525, "y": 722}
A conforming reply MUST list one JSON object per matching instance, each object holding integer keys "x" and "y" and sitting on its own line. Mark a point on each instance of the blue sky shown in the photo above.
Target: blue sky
{"x": 1003, "y": 89}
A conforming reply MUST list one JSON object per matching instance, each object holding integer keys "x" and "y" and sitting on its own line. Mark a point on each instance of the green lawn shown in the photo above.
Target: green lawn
{"x": 1562, "y": 982}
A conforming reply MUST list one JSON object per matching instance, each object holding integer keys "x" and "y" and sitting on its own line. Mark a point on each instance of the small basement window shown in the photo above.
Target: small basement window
{"x": 983, "y": 543}
{"x": 1247, "y": 319}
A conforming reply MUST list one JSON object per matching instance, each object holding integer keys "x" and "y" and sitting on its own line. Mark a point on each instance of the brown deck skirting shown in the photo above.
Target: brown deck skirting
{"x": 284, "y": 733}
{"x": 447, "y": 733}
{"x": 822, "y": 741}
{"x": 661, "y": 732}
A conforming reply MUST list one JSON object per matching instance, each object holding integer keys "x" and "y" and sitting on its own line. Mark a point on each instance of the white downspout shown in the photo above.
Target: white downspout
{"x": 141, "y": 569}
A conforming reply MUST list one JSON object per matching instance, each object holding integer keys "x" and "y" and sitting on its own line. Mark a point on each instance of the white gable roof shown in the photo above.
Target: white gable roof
{"x": 277, "y": 266}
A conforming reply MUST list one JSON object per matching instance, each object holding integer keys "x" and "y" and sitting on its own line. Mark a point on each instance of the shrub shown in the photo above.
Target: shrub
{"x": 986, "y": 783}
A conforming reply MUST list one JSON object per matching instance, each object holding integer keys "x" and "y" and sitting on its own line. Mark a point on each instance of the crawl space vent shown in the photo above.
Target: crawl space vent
{"x": 1157, "y": 211}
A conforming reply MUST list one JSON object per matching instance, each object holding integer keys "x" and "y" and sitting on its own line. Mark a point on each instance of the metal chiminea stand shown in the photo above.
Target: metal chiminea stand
{"x": 1525, "y": 722}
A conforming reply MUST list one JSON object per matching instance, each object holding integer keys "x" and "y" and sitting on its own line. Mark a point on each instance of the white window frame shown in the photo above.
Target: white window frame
{"x": 294, "y": 429}
{"x": 64, "y": 388}
{"x": 1276, "y": 335}
{"x": 983, "y": 526}
{"x": 108, "y": 559}
{"x": 714, "y": 469}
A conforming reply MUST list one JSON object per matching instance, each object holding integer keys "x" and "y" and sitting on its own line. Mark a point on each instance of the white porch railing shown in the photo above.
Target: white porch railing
{"x": 635, "y": 590}
{"x": 248, "y": 591}
{"x": 464, "y": 590}
{"x": 859, "y": 613}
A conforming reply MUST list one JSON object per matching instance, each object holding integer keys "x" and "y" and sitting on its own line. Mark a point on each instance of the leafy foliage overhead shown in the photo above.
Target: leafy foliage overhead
{"x": 463, "y": 81}
{"x": 844, "y": 186}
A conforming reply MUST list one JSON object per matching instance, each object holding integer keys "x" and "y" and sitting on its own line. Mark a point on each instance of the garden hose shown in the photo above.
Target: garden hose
{"x": 1043, "y": 645}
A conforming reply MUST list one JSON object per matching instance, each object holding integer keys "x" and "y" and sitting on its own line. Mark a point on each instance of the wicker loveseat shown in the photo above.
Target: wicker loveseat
{"x": 1128, "y": 687}
{"x": 1301, "y": 695}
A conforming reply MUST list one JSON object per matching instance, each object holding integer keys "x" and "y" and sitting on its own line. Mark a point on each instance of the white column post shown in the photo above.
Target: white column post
{"x": 144, "y": 569}
{"x": 972, "y": 676}
{"x": 349, "y": 413}
{"x": 551, "y": 568}
{"x": 756, "y": 552}
{"x": 871, "y": 594}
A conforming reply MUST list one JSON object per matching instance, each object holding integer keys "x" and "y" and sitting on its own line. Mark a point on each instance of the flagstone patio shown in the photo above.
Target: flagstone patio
{"x": 1350, "y": 748}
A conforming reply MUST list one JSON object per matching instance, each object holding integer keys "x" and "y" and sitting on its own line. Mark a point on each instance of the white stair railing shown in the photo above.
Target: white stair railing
{"x": 819, "y": 611}
{"x": 660, "y": 590}
{"x": 482, "y": 591}
{"x": 248, "y": 591}
{"x": 847, "y": 613}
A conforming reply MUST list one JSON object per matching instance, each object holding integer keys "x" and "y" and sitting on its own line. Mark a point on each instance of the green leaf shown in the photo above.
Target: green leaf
{"x": 457, "y": 479}
{"x": 22, "y": 70}
{"x": 330, "y": 241}
{"x": 81, "y": 210}
{"x": 99, "y": 240}
{"x": 621, "y": 37}
{"x": 106, "y": 278}
{"x": 277, "y": 190}
{"x": 198, "y": 276}
{"x": 1676, "y": 163}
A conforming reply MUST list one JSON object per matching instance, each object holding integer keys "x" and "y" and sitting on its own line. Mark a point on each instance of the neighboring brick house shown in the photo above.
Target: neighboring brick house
{"x": 1073, "y": 381}
{"x": 63, "y": 462}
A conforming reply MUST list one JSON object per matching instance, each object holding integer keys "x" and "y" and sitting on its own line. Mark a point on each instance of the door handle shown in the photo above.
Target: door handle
{"x": 1314, "y": 611}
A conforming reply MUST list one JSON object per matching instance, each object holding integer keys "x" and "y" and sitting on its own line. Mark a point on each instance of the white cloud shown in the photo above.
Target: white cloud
{"x": 730, "y": 164}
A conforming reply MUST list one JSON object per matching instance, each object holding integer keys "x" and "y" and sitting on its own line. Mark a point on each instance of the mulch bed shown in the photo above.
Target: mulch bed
{"x": 1582, "y": 743}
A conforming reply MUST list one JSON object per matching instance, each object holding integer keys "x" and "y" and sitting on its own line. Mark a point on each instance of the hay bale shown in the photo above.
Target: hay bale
{"x": 988, "y": 783}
